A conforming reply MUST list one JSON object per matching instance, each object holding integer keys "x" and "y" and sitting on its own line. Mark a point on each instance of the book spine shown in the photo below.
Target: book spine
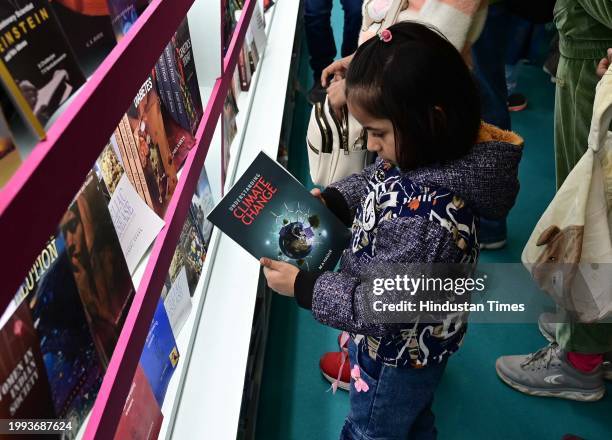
{"x": 185, "y": 52}
{"x": 175, "y": 85}
{"x": 131, "y": 148}
{"x": 20, "y": 102}
{"x": 245, "y": 70}
{"x": 165, "y": 88}
{"x": 128, "y": 166}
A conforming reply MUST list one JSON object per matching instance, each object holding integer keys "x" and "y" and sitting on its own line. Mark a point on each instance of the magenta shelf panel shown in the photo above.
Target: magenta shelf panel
{"x": 118, "y": 378}
{"x": 34, "y": 200}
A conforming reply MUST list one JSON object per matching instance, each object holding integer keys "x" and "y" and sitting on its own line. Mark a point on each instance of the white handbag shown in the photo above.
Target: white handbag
{"x": 569, "y": 253}
{"x": 337, "y": 145}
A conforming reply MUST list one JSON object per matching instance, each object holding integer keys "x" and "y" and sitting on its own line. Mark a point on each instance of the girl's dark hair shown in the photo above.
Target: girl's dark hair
{"x": 420, "y": 82}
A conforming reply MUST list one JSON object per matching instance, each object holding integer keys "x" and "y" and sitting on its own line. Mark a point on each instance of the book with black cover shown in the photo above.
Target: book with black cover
{"x": 142, "y": 417}
{"x": 68, "y": 350}
{"x": 88, "y": 28}
{"x": 270, "y": 214}
{"x": 160, "y": 355}
{"x": 24, "y": 389}
{"x": 101, "y": 274}
{"x": 37, "y": 64}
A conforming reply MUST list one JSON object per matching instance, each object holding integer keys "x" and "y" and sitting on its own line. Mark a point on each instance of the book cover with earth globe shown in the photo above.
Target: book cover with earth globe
{"x": 270, "y": 214}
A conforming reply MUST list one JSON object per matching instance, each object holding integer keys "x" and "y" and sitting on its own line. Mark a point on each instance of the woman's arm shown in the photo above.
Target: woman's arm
{"x": 600, "y": 10}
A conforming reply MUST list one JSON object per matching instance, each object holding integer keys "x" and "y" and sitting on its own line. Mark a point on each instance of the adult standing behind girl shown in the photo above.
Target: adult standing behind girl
{"x": 438, "y": 171}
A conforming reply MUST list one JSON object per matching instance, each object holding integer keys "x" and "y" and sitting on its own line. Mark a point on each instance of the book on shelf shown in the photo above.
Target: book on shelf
{"x": 37, "y": 65}
{"x": 72, "y": 366}
{"x": 258, "y": 28}
{"x": 88, "y": 28}
{"x": 244, "y": 68}
{"x": 144, "y": 149}
{"x": 189, "y": 254}
{"x": 98, "y": 265}
{"x": 135, "y": 222}
{"x": 229, "y": 130}
{"x": 177, "y": 301}
{"x": 141, "y": 418}
{"x": 202, "y": 203}
{"x": 270, "y": 214}
{"x": 160, "y": 354}
{"x": 9, "y": 156}
{"x": 124, "y": 13}
{"x": 24, "y": 388}
{"x": 189, "y": 90}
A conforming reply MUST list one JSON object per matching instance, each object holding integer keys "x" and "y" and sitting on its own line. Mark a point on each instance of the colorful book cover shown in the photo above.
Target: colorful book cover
{"x": 24, "y": 389}
{"x": 88, "y": 28}
{"x": 110, "y": 167}
{"x": 69, "y": 353}
{"x": 37, "y": 65}
{"x": 98, "y": 266}
{"x": 202, "y": 203}
{"x": 124, "y": 14}
{"x": 160, "y": 354}
{"x": 270, "y": 214}
{"x": 190, "y": 253}
{"x": 185, "y": 65}
{"x": 180, "y": 140}
{"x": 142, "y": 417}
{"x": 148, "y": 155}
{"x": 9, "y": 156}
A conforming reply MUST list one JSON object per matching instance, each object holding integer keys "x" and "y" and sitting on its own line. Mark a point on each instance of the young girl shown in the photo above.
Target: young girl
{"x": 438, "y": 170}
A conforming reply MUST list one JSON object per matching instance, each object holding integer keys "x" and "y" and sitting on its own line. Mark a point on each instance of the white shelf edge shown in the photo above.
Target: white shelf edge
{"x": 213, "y": 387}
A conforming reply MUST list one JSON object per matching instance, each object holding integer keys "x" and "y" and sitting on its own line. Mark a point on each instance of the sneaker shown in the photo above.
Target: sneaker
{"x": 547, "y": 373}
{"x": 547, "y": 323}
{"x": 517, "y": 102}
{"x": 492, "y": 234}
{"x": 317, "y": 93}
{"x": 335, "y": 366}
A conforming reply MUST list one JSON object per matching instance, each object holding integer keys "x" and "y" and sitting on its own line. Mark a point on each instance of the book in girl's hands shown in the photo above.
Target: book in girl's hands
{"x": 270, "y": 214}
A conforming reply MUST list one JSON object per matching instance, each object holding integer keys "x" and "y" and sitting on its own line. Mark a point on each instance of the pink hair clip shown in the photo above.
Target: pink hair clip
{"x": 386, "y": 36}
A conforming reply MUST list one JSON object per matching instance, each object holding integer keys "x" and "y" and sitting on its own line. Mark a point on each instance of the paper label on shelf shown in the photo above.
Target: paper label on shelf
{"x": 136, "y": 224}
{"x": 178, "y": 302}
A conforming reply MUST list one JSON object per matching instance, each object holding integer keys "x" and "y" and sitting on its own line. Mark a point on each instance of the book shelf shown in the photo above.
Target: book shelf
{"x": 56, "y": 160}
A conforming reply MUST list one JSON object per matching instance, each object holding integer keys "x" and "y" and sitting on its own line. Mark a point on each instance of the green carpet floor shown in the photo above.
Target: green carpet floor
{"x": 471, "y": 403}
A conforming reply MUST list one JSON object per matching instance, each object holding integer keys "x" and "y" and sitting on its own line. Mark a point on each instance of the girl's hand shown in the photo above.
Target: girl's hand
{"x": 336, "y": 94}
{"x": 316, "y": 192}
{"x": 337, "y": 69}
{"x": 280, "y": 275}
{"x": 604, "y": 63}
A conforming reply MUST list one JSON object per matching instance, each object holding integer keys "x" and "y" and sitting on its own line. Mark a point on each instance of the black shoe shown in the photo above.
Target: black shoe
{"x": 516, "y": 102}
{"x": 317, "y": 93}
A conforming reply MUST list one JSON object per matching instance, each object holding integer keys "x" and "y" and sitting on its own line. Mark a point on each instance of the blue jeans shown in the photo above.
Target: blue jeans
{"x": 489, "y": 58}
{"x": 397, "y": 405}
{"x": 488, "y": 55}
{"x": 319, "y": 35}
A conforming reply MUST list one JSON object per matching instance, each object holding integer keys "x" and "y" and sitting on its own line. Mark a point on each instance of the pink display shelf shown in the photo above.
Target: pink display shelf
{"x": 118, "y": 378}
{"x": 36, "y": 197}
{"x": 34, "y": 200}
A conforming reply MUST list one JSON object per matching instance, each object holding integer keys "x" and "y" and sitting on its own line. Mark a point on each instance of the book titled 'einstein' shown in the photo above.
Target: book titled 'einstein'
{"x": 270, "y": 214}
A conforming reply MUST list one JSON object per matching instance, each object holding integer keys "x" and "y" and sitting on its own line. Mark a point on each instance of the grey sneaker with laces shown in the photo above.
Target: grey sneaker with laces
{"x": 547, "y": 323}
{"x": 547, "y": 373}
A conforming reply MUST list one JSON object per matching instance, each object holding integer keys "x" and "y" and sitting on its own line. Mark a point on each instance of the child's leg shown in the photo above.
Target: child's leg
{"x": 397, "y": 404}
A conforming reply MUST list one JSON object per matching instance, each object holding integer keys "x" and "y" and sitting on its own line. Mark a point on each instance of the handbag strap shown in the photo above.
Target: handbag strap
{"x": 602, "y": 112}
{"x": 392, "y": 14}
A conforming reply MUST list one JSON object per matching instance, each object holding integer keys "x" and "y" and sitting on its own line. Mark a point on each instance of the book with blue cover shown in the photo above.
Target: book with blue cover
{"x": 270, "y": 214}
{"x": 160, "y": 354}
